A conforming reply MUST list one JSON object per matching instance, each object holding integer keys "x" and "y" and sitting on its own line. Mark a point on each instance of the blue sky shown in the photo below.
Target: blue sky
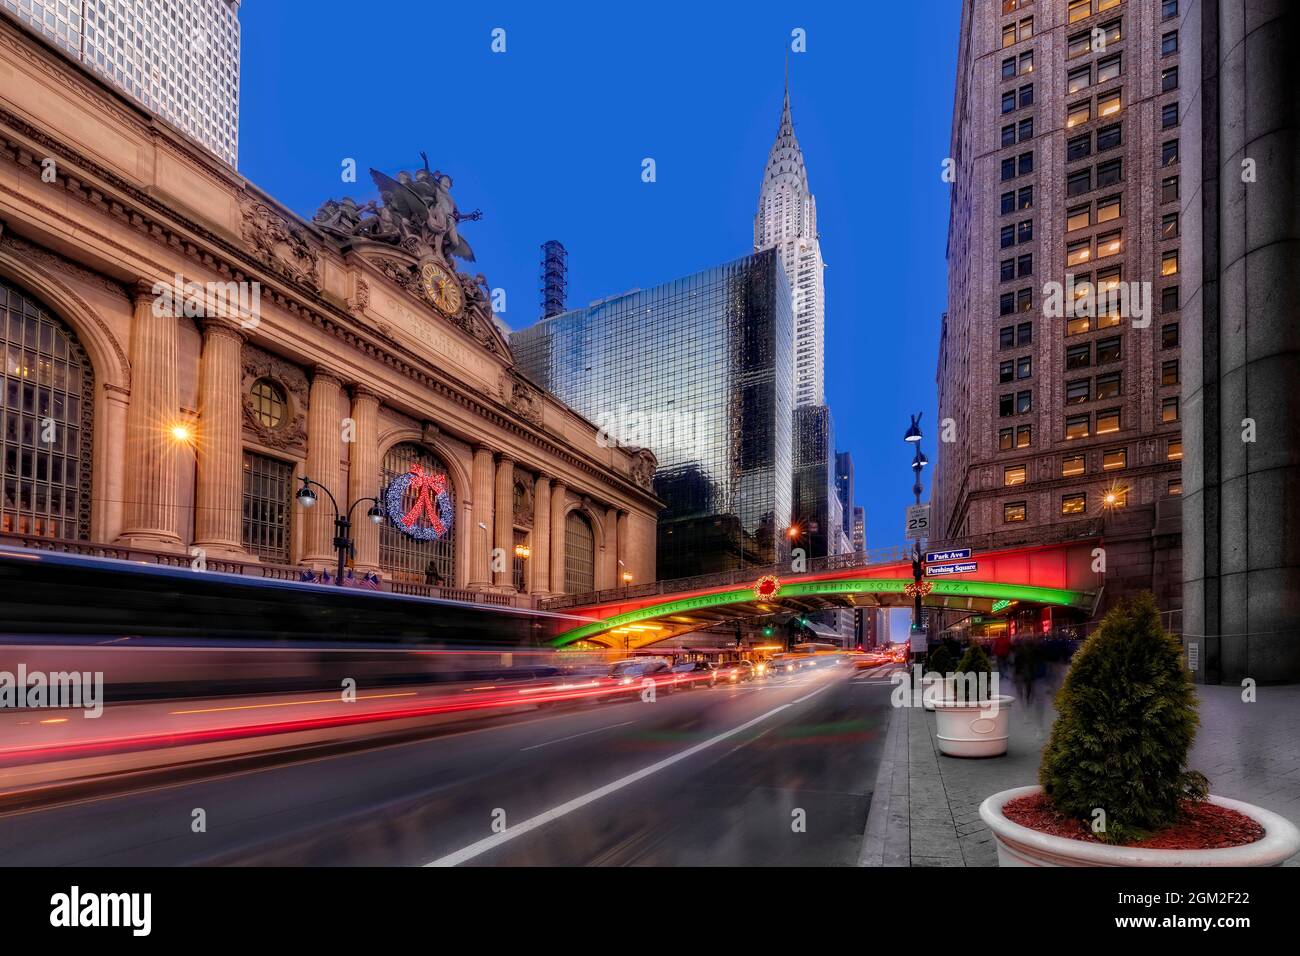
{"x": 548, "y": 139}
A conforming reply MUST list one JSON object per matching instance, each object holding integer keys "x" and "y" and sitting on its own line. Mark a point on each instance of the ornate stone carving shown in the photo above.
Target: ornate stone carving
{"x": 280, "y": 245}
{"x": 643, "y": 467}
{"x": 524, "y": 400}
{"x": 291, "y": 433}
{"x": 360, "y": 296}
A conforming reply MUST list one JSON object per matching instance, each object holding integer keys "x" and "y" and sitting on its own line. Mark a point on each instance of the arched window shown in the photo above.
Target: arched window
{"x": 519, "y": 561}
{"x": 45, "y": 408}
{"x": 579, "y": 554}
{"x": 401, "y": 556}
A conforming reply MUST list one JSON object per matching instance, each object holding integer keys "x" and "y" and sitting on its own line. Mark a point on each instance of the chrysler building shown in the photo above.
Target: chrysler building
{"x": 787, "y": 220}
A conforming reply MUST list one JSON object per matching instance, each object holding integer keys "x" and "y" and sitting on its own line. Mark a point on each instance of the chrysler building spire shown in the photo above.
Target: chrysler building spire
{"x": 787, "y": 220}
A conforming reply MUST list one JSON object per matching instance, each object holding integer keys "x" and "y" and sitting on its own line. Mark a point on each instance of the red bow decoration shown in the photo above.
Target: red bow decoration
{"x": 426, "y": 487}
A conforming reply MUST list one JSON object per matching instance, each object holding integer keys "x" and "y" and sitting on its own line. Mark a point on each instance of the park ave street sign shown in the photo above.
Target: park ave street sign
{"x": 956, "y": 554}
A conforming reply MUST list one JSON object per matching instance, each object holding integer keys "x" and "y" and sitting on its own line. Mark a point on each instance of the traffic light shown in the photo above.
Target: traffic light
{"x": 767, "y": 630}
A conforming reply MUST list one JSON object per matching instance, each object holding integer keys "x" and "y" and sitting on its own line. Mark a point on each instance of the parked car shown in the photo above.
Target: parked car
{"x": 734, "y": 672}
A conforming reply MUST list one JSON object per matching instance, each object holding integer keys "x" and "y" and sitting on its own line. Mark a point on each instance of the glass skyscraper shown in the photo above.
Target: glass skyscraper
{"x": 698, "y": 370}
{"x": 180, "y": 58}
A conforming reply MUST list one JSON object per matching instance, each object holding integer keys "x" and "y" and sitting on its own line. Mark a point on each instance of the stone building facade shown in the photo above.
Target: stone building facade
{"x": 139, "y": 426}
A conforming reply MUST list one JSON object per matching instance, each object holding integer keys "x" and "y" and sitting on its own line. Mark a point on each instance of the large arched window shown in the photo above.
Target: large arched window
{"x": 579, "y": 554}
{"x": 45, "y": 408}
{"x": 401, "y": 556}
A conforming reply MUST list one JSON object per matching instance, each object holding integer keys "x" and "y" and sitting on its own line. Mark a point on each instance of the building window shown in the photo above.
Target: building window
{"x": 404, "y": 558}
{"x": 1169, "y": 79}
{"x": 1077, "y": 426}
{"x": 1108, "y": 137}
{"x": 579, "y": 554}
{"x": 1078, "y": 356}
{"x": 1169, "y": 43}
{"x": 1110, "y": 173}
{"x": 1008, "y": 201}
{"x": 1013, "y": 475}
{"x": 1169, "y": 299}
{"x": 1169, "y": 409}
{"x": 1108, "y": 386}
{"x": 1079, "y": 10}
{"x": 1080, "y": 217}
{"x": 1169, "y": 372}
{"x": 1072, "y": 466}
{"x": 519, "y": 563}
{"x": 1006, "y": 371}
{"x": 1108, "y": 105}
{"x": 1006, "y": 439}
{"x": 1076, "y": 184}
{"x": 1169, "y": 226}
{"x": 1079, "y": 79}
{"x": 1109, "y": 208}
{"x": 1108, "y": 350}
{"x": 1115, "y": 459}
{"x": 1079, "y": 44}
{"x": 268, "y": 507}
{"x": 1175, "y": 450}
{"x": 1108, "y": 421}
{"x": 1169, "y": 336}
{"x": 1025, "y": 198}
{"x": 1168, "y": 9}
{"x": 269, "y": 403}
{"x": 1013, "y": 511}
{"x": 1006, "y": 405}
{"x": 48, "y": 392}
{"x": 1075, "y": 504}
{"x": 1025, "y": 333}
{"x": 1024, "y": 436}
{"x": 1007, "y": 337}
{"x": 1108, "y": 244}
{"x": 1169, "y": 152}
{"x": 1078, "y": 148}
{"x": 1078, "y": 114}
{"x": 1078, "y": 253}
{"x": 1024, "y": 366}
{"x": 1110, "y": 68}
{"x": 1175, "y": 486}
{"x": 1024, "y": 164}
{"x": 1169, "y": 262}
{"x": 1169, "y": 115}
{"x": 1024, "y": 402}
{"x": 1078, "y": 391}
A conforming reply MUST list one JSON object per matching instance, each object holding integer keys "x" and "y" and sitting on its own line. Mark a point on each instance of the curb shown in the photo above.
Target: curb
{"x": 886, "y": 839}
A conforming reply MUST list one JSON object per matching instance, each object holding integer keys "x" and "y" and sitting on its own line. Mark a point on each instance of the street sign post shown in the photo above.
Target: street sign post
{"x": 918, "y": 522}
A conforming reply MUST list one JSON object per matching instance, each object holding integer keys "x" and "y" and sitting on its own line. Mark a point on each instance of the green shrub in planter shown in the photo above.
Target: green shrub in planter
{"x": 939, "y": 660}
{"x": 1126, "y": 719}
{"x": 976, "y": 661}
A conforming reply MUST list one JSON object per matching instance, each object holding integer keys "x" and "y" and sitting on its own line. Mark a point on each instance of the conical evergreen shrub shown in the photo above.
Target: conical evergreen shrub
{"x": 976, "y": 661}
{"x": 1126, "y": 720}
{"x": 939, "y": 660}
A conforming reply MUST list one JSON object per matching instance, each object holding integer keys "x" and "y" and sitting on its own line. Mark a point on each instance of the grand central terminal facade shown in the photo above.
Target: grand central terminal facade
{"x": 181, "y": 352}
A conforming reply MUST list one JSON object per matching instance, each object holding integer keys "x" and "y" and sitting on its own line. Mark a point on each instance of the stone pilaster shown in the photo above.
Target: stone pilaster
{"x": 363, "y": 476}
{"x": 219, "y": 485}
{"x": 480, "y": 570}
{"x": 541, "y": 557}
{"x": 622, "y": 563}
{"x": 609, "y": 560}
{"x": 324, "y": 452}
{"x": 152, "y": 510}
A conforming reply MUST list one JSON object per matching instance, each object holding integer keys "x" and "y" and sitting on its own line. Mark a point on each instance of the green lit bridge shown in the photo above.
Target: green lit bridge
{"x": 1055, "y": 575}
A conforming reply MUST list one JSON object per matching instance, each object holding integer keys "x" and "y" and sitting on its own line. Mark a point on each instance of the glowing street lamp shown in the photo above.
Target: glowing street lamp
{"x": 342, "y": 522}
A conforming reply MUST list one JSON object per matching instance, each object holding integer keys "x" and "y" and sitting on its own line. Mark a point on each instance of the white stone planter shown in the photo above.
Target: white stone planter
{"x": 973, "y": 729}
{"x": 1021, "y": 846}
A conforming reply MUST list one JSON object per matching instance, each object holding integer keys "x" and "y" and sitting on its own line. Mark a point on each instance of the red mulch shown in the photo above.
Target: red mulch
{"x": 1201, "y": 826}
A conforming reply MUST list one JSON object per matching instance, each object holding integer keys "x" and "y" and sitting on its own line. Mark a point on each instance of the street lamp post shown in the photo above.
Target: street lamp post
{"x": 342, "y": 521}
{"x": 919, "y": 461}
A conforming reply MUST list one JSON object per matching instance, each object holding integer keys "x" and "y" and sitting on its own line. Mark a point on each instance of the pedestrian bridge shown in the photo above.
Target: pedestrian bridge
{"x": 1054, "y": 575}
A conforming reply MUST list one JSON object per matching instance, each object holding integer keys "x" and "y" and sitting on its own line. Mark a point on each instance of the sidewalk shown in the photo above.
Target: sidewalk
{"x": 925, "y": 809}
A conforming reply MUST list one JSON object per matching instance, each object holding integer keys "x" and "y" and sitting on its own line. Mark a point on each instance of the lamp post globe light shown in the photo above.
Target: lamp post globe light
{"x": 342, "y": 521}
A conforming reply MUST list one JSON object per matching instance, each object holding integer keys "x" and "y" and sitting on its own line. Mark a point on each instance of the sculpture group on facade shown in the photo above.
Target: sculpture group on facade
{"x": 418, "y": 215}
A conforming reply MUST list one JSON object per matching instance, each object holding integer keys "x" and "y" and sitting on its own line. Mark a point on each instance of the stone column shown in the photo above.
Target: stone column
{"x": 540, "y": 562}
{"x": 480, "y": 568}
{"x": 505, "y": 521}
{"x": 621, "y": 565}
{"x": 363, "y": 476}
{"x": 612, "y": 570}
{"x": 107, "y": 514}
{"x": 219, "y": 485}
{"x": 324, "y": 452}
{"x": 559, "y": 497}
{"x": 152, "y": 510}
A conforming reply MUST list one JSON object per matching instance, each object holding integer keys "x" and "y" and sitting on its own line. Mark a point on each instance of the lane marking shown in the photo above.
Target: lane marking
{"x": 576, "y": 736}
{"x": 577, "y": 803}
{"x": 813, "y": 694}
{"x": 293, "y": 703}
